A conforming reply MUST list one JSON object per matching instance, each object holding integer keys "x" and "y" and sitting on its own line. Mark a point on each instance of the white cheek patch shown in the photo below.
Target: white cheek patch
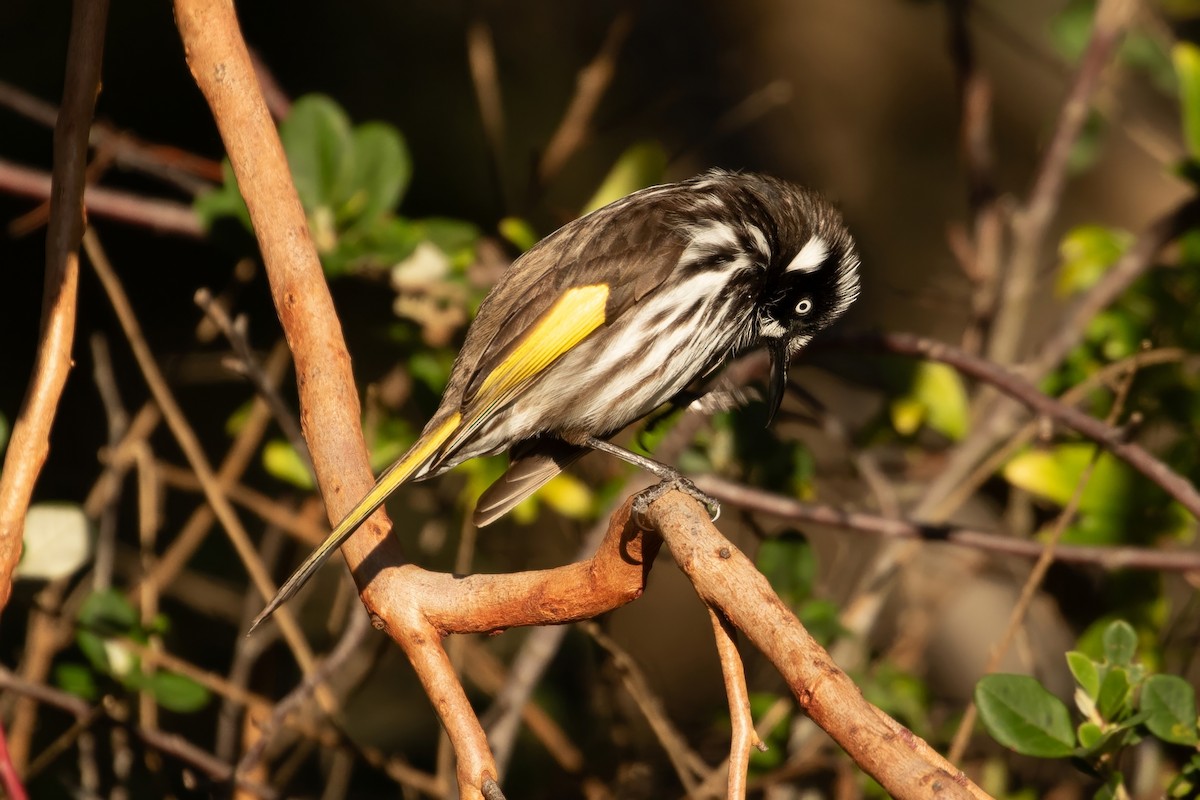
{"x": 810, "y": 257}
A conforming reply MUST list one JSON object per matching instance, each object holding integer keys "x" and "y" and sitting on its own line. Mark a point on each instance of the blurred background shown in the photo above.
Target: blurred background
{"x": 860, "y": 100}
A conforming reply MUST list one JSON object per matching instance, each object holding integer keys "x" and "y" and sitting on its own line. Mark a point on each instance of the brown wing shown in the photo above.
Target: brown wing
{"x": 630, "y": 246}
{"x": 533, "y": 464}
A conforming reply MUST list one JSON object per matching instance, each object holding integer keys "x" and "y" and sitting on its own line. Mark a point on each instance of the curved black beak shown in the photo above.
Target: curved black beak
{"x": 777, "y": 382}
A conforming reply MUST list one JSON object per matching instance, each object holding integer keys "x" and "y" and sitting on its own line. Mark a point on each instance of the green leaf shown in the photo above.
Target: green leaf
{"x": 1112, "y": 701}
{"x": 1090, "y": 735}
{"x": 381, "y": 171}
{"x": 94, "y": 650}
{"x": 937, "y": 398}
{"x": 281, "y": 460}
{"x": 1171, "y": 704}
{"x": 790, "y": 566}
{"x": 178, "y": 692}
{"x": 1120, "y": 642}
{"x": 1084, "y": 670}
{"x": 316, "y": 136}
{"x": 1020, "y": 714}
{"x": 76, "y": 679}
{"x": 642, "y": 165}
{"x": 1055, "y": 473}
{"x": 107, "y": 612}
{"x": 223, "y": 201}
{"x": 1086, "y": 253}
{"x": 3, "y": 432}
{"x": 1186, "y": 57}
{"x": 518, "y": 232}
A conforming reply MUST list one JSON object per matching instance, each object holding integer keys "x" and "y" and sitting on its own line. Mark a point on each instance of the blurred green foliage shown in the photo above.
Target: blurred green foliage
{"x": 106, "y": 618}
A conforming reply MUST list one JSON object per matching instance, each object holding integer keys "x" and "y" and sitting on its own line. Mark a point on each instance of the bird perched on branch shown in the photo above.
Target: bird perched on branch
{"x": 615, "y": 314}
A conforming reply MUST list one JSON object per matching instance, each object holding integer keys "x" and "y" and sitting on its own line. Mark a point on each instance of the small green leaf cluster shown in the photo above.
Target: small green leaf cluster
{"x": 1121, "y": 702}
{"x": 350, "y": 179}
{"x": 105, "y": 620}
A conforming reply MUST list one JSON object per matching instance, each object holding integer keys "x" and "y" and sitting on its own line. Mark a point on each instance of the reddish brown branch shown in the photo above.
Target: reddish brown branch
{"x": 727, "y": 581}
{"x": 741, "y": 721}
{"x": 30, "y": 442}
{"x": 165, "y": 216}
{"x": 1021, "y": 390}
{"x": 1107, "y": 558}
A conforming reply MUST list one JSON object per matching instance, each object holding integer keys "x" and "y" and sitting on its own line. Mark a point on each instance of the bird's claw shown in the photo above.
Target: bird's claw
{"x": 645, "y": 498}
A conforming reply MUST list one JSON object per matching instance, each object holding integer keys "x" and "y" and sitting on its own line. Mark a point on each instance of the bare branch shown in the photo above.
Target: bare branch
{"x": 193, "y": 450}
{"x": 30, "y": 441}
{"x": 1033, "y": 221}
{"x": 1108, "y": 437}
{"x": 164, "y": 216}
{"x": 1111, "y": 559}
{"x": 727, "y": 580}
{"x": 741, "y": 720}
{"x": 590, "y": 85}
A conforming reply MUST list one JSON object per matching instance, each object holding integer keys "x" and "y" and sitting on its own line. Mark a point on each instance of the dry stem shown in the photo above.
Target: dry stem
{"x": 30, "y": 442}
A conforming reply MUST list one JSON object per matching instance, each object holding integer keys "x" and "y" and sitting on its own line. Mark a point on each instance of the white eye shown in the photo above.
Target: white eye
{"x": 804, "y": 306}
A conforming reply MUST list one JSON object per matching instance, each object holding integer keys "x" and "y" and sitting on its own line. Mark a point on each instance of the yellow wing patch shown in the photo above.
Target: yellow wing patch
{"x": 568, "y": 322}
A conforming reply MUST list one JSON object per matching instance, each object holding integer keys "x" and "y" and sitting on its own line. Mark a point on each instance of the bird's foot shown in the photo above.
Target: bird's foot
{"x": 645, "y": 498}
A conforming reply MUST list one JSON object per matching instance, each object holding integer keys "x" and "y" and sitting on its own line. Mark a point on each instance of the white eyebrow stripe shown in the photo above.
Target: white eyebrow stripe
{"x": 760, "y": 239}
{"x": 810, "y": 257}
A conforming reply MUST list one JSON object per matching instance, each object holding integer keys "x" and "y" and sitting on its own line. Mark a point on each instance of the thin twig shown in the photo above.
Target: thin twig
{"x": 982, "y": 262}
{"x": 250, "y": 367}
{"x": 1032, "y": 223}
{"x": 590, "y": 85}
{"x": 482, "y": 668}
{"x": 188, "y": 172}
{"x": 233, "y": 716}
{"x": 9, "y": 778}
{"x": 1073, "y": 396}
{"x": 1132, "y": 264}
{"x": 485, "y": 78}
{"x": 741, "y": 721}
{"x": 166, "y": 743}
{"x": 1037, "y": 576}
{"x": 353, "y": 636}
{"x": 29, "y": 443}
{"x": 194, "y": 451}
{"x": 237, "y": 459}
{"x": 688, "y": 765}
{"x": 299, "y": 526}
{"x": 1111, "y": 559}
{"x": 1021, "y": 390}
{"x": 164, "y": 216}
{"x": 777, "y": 713}
{"x": 118, "y": 423}
{"x": 997, "y": 421}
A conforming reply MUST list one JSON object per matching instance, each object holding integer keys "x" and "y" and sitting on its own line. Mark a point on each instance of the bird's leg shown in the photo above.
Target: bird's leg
{"x": 670, "y": 478}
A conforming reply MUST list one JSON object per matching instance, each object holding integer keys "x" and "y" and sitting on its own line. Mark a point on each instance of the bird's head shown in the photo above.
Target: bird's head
{"x": 811, "y": 280}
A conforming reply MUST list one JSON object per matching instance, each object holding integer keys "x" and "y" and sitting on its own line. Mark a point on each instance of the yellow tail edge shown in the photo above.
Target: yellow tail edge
{"x": 391, "y": 479}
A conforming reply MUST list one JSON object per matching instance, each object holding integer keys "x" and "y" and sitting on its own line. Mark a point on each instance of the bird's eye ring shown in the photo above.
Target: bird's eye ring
{"x": 805, "y": 306}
